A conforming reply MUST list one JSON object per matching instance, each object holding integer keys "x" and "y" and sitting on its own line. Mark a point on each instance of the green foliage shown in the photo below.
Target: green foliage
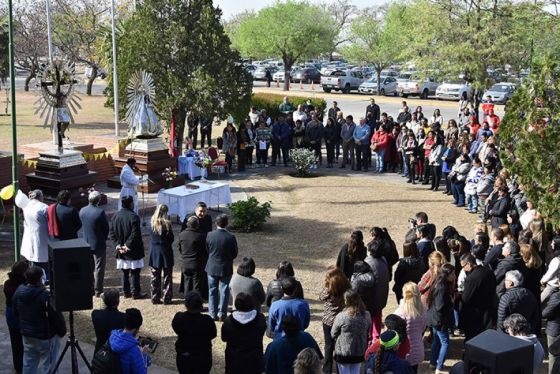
{"x": 529, "y": 137}
{"x": 376, "y": 38}
{"x": 271, "y": 102}
{"x": 249, "y": 215}
{"x": 292, "y": 30}
{"x": 302, "y": 158}
{"x": 184, "y": 46}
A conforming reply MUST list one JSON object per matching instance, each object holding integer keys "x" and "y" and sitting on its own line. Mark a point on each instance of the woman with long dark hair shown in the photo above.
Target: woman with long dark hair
{"x": 409, "y": 269}
{"x": 242, "y": 144}
{"x": 435, "y": 163}
{"x": 350, "y": 330}
{"x": 440, "y": 315}
{"x": 16, "y": 277}
{"x": 330, "y": 136}
{"x": 332, "y": 295}
{"x": 411, "y": 155}
{"x": 230, "y": 145}
{"x": 351, "y": 252}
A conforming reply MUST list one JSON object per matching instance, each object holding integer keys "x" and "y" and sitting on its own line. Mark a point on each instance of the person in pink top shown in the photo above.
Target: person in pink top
{"x": 380, "y": 144}
{"x": 413, "y": 311}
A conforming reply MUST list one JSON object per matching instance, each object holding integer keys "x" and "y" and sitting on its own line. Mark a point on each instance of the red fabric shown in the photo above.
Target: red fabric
{"x": 403, "y": 350}
{"x": 172, "y": 146}
{"x": 494, "y": 122}
{"x": 428, "y": 144}
{"x": 53, "y": 222}
{"x": 376, "y": 324}
{"x": 212, "y": 153}
{"x": 474, "y": 129}
{"x": 382, "y": 140}
{"x": 486, "y": 108}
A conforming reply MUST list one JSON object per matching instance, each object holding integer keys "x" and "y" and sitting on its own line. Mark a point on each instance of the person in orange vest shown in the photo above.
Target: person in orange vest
{"x": 487, "y": 107}
{"x": 493, "y": 121}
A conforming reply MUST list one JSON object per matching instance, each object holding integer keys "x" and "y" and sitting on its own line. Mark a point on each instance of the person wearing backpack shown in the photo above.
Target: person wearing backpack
{"x": 133, "y": 359}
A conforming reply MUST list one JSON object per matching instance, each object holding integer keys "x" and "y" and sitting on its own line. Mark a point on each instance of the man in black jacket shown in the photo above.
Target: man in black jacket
{"x": 517, "y": 299}
{"x": 107, "y": 319}
{"x": 191, "y": 244}
{"x": 40, "y": 325}
{"x": 512, "y": 261}
{"x": 204, "y": 219}
{"x": 333, "y": 112}
{"x": 495, "y": 252}
{"x": 374, "y": 109}
{"x": 500, "y": 208}
{"x": 67, "y": 216}
{"x": 205, "y": 124}
{"x": 95, "y": 230}
{"x": 222, "y": 250}
{"x": 404, "y": 116}
{"x": 479, "y": 298}
{"x": 127, "y": 238}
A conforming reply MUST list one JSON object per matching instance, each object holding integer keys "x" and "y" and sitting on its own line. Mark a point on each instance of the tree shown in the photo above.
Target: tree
{"x": 232, "y": 24}
{"x": 529, "y": 137}
{"x": 184, "y": 46}
{"x": 376, "y": 38}
{"x": 292, "y": 30}
{"x": 30, "y": 37}
{"x": 342, "y": 12}
{"x": 76, "y": 26}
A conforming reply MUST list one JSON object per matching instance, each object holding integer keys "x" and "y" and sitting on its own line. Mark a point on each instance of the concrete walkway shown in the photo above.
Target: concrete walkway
{"x": 6, "y": 354}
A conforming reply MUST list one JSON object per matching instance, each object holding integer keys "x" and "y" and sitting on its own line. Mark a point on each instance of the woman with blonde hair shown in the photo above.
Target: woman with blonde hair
{"x": 435, "y": 261}
{"x": 161, "y": 256}
{"x": 534, "y": 268}
{"x": 541, "y": 241}
{"x": 336, "y": 284}
{"x": 307, "y": 362}
{"x": 413, "y": 311}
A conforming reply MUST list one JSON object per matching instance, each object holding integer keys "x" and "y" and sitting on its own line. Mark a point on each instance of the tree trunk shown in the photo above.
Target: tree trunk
{"x": 180, "y": 115}
{"x": 287, "y": 68}
{"x": 378, "y": 71}
{"x": 27, "y": 80}
{"x": 91, "y": 80}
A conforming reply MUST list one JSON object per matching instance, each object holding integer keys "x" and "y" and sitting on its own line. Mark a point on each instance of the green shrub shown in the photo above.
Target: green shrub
{"x": 270, "y": 103}
{"x": 249, "y": 215}
{"x": 302, "y": 158}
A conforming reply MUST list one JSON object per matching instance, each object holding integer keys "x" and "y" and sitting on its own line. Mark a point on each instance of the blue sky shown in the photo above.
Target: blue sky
{"x": 231, "y": 7}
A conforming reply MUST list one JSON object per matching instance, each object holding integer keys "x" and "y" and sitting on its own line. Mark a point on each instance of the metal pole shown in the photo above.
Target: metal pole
{"x": 115, "y": 73}
{"x": 15, "y": 181}
{"x": 49, "y": 29}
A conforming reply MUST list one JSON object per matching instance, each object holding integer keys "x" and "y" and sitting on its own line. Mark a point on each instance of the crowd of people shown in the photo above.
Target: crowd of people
{"x": 504, "y": 277}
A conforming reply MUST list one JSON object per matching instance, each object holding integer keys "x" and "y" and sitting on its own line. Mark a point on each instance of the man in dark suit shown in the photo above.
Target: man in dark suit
{"x": 96, "y": 229}
{"x": 204, "y": 219}
{"x": 478, "y": 310}
{"x": 107, "y": 319}
{"x": 191, "y": 244}
{"x": 67, "y": 217}
{"x": 127, "y": 238}
{"x": 222, "y": 250}
{"x": 374, "y": 109}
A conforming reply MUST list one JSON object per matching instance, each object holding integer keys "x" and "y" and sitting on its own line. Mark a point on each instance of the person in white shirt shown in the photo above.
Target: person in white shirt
{"x": 437, "y": 117}
{"x": 550, "y": 279}
{"x": 129, "y": 183}
{"x": 300, "y": 114}
{"x": 528, "y": 216}
{"x": 35, "y": 242}
{"x": 254, "y": 115}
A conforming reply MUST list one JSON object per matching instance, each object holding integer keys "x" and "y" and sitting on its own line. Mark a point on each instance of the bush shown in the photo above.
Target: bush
{"x": 270, "y": 103}
{"x": 302, "y": 158}
{"x": 249, "y": 215}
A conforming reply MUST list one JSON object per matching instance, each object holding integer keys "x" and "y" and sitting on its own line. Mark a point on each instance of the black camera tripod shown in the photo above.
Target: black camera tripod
{"x": 72, "y": 343}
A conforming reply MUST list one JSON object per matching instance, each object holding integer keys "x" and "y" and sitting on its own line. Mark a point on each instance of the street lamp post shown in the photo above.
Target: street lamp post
{"x": 115, "y": 74}
{"x": 49, "y": 37}
{"x": 14, "y": 127}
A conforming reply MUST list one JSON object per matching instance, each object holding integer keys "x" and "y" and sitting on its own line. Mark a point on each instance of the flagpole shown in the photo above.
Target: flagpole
{"x": 115, "y": 73}
{"x": 49, "y": 37}
{"x": 15, "y": 181}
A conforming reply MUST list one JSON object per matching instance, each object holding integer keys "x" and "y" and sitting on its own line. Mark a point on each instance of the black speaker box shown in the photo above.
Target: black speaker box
{"x": 493, "y": 352}
{"x": 71, "y": 279}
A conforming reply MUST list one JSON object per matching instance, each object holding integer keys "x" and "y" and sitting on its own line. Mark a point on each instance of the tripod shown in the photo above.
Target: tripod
{"x": 73, "y": 344}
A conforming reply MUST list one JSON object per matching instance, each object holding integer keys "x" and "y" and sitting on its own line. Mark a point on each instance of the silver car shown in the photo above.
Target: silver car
{"x": 388, "y": 86}
{"x": 500, "y": 92}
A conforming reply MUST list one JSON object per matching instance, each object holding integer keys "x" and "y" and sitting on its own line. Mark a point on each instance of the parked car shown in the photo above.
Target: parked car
{"x": 342, "y": 80}
{"x": 500, "y": 92}
{"x": 251, "y": 69}
{"x": 453, "y": 89}
{"x": 260, "y": 73}
{"x": 388, "y": 86}
{"x": 389, "y": 73}
{"x": 279, "y": 75}
{"x": 307, "y": 75}
{"x": 411, "y": 84}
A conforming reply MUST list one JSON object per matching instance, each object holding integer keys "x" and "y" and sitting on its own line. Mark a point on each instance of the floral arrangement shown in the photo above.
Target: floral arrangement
{"x": 169, "y": 176}
{"x": 303, "y": 159}
{"x": 202, "y": 160}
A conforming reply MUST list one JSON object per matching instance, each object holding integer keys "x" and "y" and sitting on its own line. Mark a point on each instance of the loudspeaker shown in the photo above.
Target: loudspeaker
{"x": 493, "y": 352}
{"x": 71, "y": 277}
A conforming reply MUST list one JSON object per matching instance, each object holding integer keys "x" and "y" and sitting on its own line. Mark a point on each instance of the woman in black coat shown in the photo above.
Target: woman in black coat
{"x": 243, "y": 332}
{"x": 440, "y": 314}
{"x": 351, "y": 252}
{"x": 274, "y": 290}
{"x": 500, "y": 208}
{"x": 410, "y": 268}
{"x": 195, "y": 332}
{"x": 330, "y": 136}
{"x": 161, "y": 256}
{"x": 194, "y": 254}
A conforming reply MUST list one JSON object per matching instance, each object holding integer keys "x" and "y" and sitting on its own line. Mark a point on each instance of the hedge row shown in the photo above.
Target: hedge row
{"x": 270, "y": 102}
